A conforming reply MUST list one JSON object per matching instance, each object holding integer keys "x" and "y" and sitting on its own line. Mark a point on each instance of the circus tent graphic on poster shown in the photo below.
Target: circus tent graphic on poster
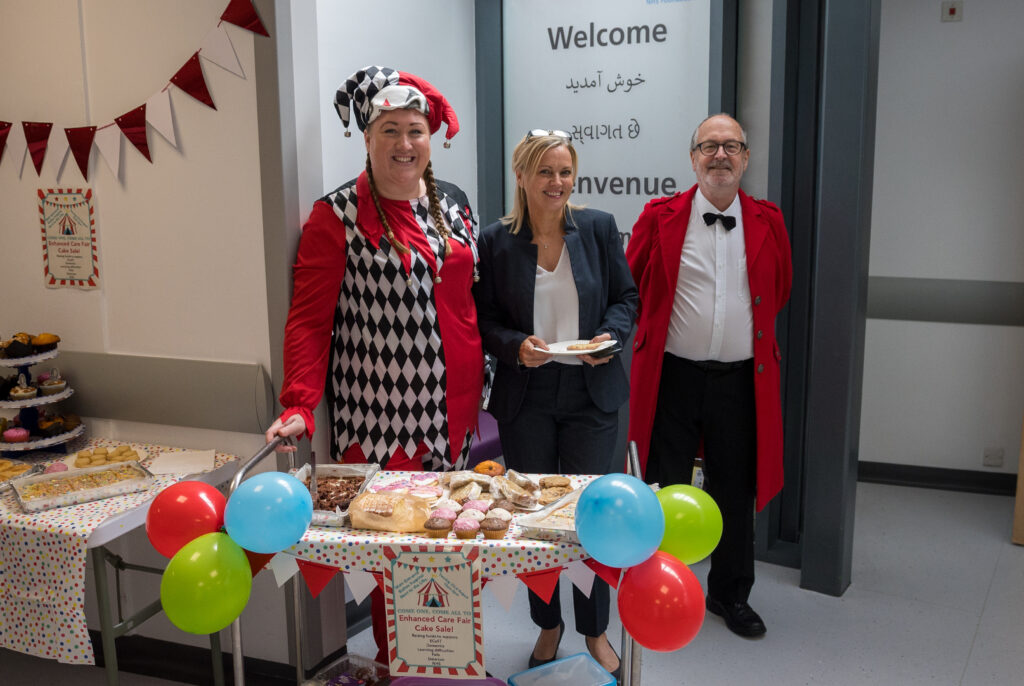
{"x": 432, "y": 595}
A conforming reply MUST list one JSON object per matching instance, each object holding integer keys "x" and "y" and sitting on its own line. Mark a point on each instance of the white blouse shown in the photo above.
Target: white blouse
{"x": 556, "y": 305}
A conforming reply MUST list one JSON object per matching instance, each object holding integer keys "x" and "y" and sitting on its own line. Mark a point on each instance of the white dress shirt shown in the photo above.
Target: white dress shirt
{"x": 711, "y": 314}
{"x": 556, "y": 305}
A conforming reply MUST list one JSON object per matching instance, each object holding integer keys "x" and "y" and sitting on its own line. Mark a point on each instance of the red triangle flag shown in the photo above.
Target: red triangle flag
{"x": 316, "y": 575}
{"x": 609, "y": 574}
{"x": 257, "y": 561}
{"x": 542, "y": 582}
{"x": 190, "y": 79}
{"x": 133, "y": 126}
{"x": 5, "y": 128}
{"x": 379, "y": 578}
{"x": 37, "y": 135}
{"x": 80, "y": 140}
{"x": 242, "y": 13}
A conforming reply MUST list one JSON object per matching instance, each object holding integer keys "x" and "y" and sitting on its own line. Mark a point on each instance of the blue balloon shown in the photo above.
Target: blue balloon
{"x": 619, "y": 520}
{"x": 268, "y": 512}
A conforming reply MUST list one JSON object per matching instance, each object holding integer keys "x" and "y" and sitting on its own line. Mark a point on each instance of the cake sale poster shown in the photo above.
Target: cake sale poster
{"x": 69, "y": 238}
{"x": 432, "y": 596}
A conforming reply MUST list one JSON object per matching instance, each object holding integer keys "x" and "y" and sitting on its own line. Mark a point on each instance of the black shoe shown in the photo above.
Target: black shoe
{"x": 536, "y": 661}
{"x": 618, "y": 670}
{"x": 739, "y": 617}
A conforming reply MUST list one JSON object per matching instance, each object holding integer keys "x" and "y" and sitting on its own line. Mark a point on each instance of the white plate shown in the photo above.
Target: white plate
{"x": 562, "y": 348}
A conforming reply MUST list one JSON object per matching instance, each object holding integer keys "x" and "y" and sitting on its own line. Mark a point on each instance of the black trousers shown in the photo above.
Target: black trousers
{"x": 718, "y": 406}
{"x": 559, "y": 430}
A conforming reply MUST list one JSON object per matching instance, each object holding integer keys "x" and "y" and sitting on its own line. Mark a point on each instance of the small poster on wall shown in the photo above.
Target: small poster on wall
{"x": 432, "y": 594}
{"x": 66, "y": 218}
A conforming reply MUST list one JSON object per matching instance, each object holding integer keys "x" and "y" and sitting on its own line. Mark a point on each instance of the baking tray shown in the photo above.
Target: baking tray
{"x": 7, "y": 482}
{"x": 135, "y": 478}
{"x": 337, "y": 517}
{"x": 535, "y": 525}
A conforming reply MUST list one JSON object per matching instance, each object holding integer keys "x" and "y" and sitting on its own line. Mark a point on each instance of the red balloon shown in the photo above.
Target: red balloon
{"x": 661, "y": 603}
{"x": 183, "y": 512}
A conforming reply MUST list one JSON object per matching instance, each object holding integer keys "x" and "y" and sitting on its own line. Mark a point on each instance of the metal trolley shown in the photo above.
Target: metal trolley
{"x": 631, "y": 652}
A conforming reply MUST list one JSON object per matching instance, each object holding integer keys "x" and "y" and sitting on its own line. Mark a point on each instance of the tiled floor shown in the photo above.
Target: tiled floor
{"x": 937, "y": 598}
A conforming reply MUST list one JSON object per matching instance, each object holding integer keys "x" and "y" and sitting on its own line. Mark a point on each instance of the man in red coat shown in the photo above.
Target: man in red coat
{"x": 714, "y": 268}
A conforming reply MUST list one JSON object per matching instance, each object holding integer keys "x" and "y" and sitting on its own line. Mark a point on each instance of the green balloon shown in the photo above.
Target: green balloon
{"x": 206, "y": 584}
{"x": 693, "y": 523}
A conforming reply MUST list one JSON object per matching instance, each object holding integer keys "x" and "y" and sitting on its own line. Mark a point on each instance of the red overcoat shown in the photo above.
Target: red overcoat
{"x": 653, "y": 254}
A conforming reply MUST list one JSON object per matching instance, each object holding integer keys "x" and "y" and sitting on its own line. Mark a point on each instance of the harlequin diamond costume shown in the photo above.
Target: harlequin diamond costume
{"x": 393, "y": 332}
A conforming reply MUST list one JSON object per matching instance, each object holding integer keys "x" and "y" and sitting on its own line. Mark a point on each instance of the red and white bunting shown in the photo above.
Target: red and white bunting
{"x": 34, "y": 139}
{"x": 581, "y": 576}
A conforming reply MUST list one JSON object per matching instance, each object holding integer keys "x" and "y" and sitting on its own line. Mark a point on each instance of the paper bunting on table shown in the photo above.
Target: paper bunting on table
{"x": 284, "y": 567}
{"x": 158, "y": 115}
{"x": 242, "y": 13}
{"x": 257, "y": 561}
{"x": 217, "y": 48}
{"x": 80, "y": 139}
{"x": 581, "y": 576}
{"x": 133, "y": 126}
{"x": 108, "y": 142}
{"x": 360, "y": 584}
{"x": 379, "y": 578}
{"x": 316, "y": 575}
{"x": 190, "y": 79}
{"x": 504, "y": 588}
{"x": 37, "y": 135}
{"x": 542, "y": 582}
{"x": 609, "y": 574}
{"x": 5, "y": 129}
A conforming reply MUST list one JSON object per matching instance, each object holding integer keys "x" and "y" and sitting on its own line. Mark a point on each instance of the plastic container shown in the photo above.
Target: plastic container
{"x": 579, "y": 670}
{"x": 425, "y": 681}
{"x": 351, "y": 669}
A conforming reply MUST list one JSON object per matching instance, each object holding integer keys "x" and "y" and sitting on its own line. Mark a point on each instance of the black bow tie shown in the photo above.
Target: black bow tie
{"x": 727, "y": 221}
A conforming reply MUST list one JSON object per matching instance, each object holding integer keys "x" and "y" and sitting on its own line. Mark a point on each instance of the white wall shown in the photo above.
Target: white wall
{"x": 180, "y": 240}
{"x": 433, "y": 39}
{"x": 946, "y": 205}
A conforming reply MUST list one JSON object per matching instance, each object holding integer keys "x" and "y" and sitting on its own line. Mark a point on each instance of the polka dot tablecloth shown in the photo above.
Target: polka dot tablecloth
{"x": 42, "y": 565}
{"x": 359, "y": 549}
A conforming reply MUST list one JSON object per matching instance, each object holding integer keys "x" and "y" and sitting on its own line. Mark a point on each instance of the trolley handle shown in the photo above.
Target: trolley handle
{"x": 264, "y": 452}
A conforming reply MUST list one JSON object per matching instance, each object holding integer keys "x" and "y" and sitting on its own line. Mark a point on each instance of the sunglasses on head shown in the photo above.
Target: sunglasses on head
{"x": 539, "y": 133}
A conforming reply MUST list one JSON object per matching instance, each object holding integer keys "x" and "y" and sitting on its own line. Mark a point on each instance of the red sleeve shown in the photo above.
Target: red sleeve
{"x": 317, "y": 275}
{"x": 639, "y": 248}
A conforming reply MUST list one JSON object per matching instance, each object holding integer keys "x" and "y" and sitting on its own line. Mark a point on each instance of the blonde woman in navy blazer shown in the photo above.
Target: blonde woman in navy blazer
{"x": 549, "y": 272}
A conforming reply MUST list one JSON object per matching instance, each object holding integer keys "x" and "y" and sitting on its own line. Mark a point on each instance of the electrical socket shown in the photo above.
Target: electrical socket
{"x": 992, "y": 457}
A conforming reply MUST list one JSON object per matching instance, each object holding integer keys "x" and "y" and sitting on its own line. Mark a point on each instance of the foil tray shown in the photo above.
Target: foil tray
{"x": 60, "y": 489}
{"x": 336, "y": 518}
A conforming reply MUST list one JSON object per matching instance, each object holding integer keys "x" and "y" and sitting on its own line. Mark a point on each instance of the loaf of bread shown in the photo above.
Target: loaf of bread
{"x": 395, "y": 512}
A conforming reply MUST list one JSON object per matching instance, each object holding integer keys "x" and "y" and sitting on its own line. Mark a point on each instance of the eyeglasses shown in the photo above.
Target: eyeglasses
{"x": 539, "y": 133}
{"x": 709, "y": 148}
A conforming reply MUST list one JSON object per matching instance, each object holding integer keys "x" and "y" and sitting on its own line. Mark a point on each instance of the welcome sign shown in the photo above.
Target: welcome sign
{"x": 628, "y": 80}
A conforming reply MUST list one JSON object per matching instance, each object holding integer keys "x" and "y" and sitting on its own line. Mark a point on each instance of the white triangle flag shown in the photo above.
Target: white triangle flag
{"x": 108, "y": 142}
{"x": 158, "y": 114}
{"x": 360, "y": 584}
{"x": 57, "y": 152}
{"x": 218, "y": 49}
{"x": 284, "y": 567}
{"x": 17, "y": 148}
{"x": 581, "y": 575}
{"x": 504, "y": 589}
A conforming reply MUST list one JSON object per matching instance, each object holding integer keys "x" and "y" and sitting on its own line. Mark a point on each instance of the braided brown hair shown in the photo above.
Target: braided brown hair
{"x": 400, "y": 247}
{"x": 435, "y": 208}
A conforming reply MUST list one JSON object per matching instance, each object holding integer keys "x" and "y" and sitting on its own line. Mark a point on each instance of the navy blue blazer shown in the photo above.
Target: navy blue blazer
{"x": 504, "y": 304}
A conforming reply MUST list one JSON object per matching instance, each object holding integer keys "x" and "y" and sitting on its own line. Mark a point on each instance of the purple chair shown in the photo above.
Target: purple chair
{"x": 486, "y": 445}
